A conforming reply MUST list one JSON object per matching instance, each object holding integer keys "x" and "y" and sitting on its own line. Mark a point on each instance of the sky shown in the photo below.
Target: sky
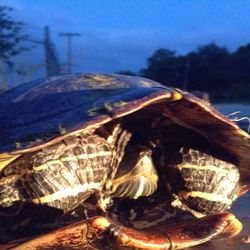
{"x": 121, "y": 35}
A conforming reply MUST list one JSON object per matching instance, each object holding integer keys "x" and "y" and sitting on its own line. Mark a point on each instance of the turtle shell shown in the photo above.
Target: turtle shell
{"x": 43, "y": 112}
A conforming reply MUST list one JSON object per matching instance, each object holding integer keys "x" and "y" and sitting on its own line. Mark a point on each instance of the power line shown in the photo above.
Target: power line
{"x": 33, "y": 40}
{"x": 33, "y": 27}
{"x": 69, "y": 49}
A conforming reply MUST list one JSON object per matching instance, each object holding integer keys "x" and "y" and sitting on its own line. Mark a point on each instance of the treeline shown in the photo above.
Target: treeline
{"x": 224, "y": 75}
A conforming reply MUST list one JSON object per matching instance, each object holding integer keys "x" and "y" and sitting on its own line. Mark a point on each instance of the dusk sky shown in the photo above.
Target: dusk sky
{"x": 121, "y": 34}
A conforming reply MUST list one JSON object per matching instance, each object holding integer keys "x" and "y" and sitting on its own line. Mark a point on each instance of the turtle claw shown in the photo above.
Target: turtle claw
{"x": 186, "y": 235}
{"x": 245, "y": 239}
{"x": 233, "y": 226}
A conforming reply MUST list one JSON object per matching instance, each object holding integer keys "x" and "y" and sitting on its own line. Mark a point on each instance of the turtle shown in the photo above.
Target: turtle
{"x": 124, "y": 146}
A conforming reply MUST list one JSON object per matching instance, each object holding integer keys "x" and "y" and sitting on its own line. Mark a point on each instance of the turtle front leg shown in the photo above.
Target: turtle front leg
{"x": 186, "y": 235}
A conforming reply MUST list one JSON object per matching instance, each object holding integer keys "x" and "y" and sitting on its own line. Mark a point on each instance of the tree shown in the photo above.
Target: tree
{"x": 208, "y": 68}
{"x": 127, "y": 72}
{"x": 10, "y": 36}
{"x": 240, "y": 64}
{"x": 164, "y": 66}
{"x": 239, "y": 72}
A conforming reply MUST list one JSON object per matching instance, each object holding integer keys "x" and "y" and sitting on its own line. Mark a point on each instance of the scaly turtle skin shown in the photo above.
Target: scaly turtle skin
{"x": 120, "y": 140}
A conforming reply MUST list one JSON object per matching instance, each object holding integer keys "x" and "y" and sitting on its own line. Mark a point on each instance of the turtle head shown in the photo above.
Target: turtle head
{"x": 136, "y": 175}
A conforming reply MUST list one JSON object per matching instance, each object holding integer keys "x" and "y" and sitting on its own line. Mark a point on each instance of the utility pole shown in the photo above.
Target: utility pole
{"x": 52, "y": 65}
{"x": 69, "y": 42}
